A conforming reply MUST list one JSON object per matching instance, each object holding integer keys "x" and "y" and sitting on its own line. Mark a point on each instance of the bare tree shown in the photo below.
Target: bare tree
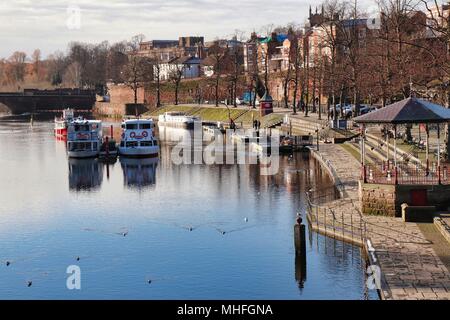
{"x": 135, "y": 42}
{"x": 36, "y": 57}
{"x": 333, "y": 10}
{"x": 57, "y": 64}
{"x": 72, "y": 75}
{"x": 157, "y": 79}
{"x": 117, "y": 58}
{"x": 17, "y": 61}
{"x": 298, "y": 53}
{"x": 137, "y": 72}
{"x": 237, "y": 57}
{"x": 175, "y": 75}
{"x": 218, "y": 54}
{"x": 439, "y": 25}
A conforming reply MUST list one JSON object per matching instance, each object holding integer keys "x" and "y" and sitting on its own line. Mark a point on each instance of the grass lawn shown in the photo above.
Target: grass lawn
{"x": 222, "y": 114}
{"x": 415, "y": 151}
{"x": 355, "y": 153}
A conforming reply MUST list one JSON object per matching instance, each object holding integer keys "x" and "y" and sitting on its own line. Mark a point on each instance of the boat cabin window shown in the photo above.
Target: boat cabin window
{"x": 146, "y": 143}
{"x": 81, "y": 127}
{"x": 80, "y": 146}
{"x": 131, "y": 126}
{"x": 145, "y": 126}
{"x": 132, "y": 144}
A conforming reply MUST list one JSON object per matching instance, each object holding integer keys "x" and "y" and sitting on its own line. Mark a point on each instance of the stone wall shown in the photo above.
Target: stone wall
{"x": 118, "y": 110}
{"x": 109, "y": 109}
{"x": 378, "y": 200}
{"x": 120, "y": 93}
{"x": 386, "y": 200}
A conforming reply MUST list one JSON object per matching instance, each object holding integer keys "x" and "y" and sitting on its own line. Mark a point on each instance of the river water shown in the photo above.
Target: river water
{"x": 150, "y": 229}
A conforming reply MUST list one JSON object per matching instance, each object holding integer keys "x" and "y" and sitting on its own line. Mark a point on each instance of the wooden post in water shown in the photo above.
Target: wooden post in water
{"x": 300, "y": 251}
{"x": 300, "y": 237}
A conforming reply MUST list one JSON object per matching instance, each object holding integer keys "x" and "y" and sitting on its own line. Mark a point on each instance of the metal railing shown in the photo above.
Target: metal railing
{"x": 339, "y": 185}
{"x": 405, "y": 174}
{"x": 349, "y": 227}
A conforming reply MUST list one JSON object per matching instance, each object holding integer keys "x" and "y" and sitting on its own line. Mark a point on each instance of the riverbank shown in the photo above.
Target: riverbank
{"x": 242, "y": 115}
{"x": 410, "y": 268}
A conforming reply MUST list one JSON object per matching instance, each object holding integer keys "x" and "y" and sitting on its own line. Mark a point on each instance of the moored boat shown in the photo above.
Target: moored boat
{"x": 212, "y": 129}
{"x": 62, "y": 123}
{"x": 138, "y": 139}
{"x": 177, "y": 119}
{"x": 84, "y": 138}
{"x": 108, "y": 149}
{"x": 238, "y": 137}
{"x": 286, "y": 144}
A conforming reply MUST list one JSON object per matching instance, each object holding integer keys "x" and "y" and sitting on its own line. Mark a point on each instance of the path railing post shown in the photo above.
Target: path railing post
{"x": 439, "y": 175}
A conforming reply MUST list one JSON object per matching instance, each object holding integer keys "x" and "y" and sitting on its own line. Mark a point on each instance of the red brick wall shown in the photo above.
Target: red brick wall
{"x": 124, "y": 94}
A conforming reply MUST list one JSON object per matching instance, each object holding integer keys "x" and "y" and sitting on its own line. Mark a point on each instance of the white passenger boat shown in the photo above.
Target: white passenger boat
{"x": 212, "y": 129}
{"x": 243, "y": 138}
{"x": 62, "y": 123}
{"x": 84, "y": 138}
{"x": 177, "y": 119}
{"x": 138, "y": 139}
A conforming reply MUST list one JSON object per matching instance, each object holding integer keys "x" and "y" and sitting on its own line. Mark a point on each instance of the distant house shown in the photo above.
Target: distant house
{"x": 189, "y": 65}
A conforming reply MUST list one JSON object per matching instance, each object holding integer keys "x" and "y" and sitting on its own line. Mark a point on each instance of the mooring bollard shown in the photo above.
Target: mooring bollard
{"x": 300, "y": 251}
{"x": 300, "y": 237}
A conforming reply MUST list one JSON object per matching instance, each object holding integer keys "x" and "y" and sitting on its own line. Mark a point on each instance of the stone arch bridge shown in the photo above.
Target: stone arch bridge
{"x": 41, "y": 101}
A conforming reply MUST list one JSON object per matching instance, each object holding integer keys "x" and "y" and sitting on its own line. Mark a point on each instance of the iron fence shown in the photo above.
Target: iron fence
{"x": 406, "y": 174}
{"x": 327, "y": 219}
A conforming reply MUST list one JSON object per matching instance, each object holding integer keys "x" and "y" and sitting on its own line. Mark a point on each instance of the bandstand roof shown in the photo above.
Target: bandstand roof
{"x": 410, "y": 110}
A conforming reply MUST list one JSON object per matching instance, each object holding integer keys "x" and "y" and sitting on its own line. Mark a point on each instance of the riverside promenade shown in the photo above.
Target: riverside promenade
{"x": 410, "y": 268}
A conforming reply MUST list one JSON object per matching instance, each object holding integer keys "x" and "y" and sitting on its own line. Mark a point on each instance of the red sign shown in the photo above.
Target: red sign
{"x": 266, "y": 108}
{"x": 83, "y": 136}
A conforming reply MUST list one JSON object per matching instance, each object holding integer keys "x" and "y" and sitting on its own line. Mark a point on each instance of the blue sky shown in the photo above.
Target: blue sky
{"x": 29, "y": 24}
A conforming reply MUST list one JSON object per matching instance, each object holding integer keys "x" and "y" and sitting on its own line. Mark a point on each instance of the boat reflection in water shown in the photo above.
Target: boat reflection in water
{"x": 175, "y": 135}
{"x": 139, "y": 173}
{"x": 85, "y": 174}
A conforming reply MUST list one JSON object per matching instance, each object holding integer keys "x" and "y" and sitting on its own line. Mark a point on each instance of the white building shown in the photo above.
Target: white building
{"x": 190, "y": 67}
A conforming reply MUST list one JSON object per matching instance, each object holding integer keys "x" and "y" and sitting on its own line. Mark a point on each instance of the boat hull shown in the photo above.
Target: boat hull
{"x": 139, "y": 152}
{"x": 62, "y": 132}
{"x": 111, "y": 154}
{"x": 83, "y": 154}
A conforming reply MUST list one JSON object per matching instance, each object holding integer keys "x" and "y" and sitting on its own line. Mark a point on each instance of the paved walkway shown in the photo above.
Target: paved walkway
{"x": 410, "y": 268}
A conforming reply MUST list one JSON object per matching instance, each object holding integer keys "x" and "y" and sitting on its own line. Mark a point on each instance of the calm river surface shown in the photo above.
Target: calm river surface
{"x": 184, "y": 228}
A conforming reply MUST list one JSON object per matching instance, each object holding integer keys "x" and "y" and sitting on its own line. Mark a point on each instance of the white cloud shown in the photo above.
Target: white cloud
{"x": 27, "y": 24}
